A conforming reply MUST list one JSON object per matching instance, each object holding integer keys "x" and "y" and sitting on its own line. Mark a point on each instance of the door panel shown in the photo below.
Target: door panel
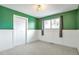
{"x": 19, "y": 30}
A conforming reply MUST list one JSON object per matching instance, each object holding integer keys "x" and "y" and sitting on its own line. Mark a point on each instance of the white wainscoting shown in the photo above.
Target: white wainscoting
{"x": 5, "y": 39}
{"x": 78, "y": 50}
{"x": 32, "y": 35}
{"x": 70, "y": 37}
{"x": 50, "y": 36}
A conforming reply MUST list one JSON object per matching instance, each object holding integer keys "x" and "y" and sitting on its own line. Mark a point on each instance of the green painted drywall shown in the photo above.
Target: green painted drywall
{"x": 69, "y": 19}
{"x": 6, "y": 18}
{"x": 78, "y": 18}
{"x": 38, "y": 24}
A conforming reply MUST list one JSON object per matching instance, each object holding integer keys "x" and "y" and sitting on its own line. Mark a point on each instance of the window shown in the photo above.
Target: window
{"x": 55, "y": 23}
{"x": 47, "y": 24}
{"x": 52, "y": 24}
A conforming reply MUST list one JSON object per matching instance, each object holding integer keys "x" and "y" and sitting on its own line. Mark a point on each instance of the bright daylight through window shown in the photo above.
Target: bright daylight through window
{"x": 52, "y": 24}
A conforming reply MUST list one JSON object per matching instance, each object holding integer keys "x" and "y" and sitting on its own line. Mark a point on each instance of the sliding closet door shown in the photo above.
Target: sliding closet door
{"x": 20, "y": 30}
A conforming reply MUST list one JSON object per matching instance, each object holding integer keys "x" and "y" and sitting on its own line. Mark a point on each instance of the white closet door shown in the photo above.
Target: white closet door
{"x": 20, "y": 30}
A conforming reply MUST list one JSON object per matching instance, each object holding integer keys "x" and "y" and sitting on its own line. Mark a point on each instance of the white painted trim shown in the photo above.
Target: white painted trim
{"x": 26, "y": 30}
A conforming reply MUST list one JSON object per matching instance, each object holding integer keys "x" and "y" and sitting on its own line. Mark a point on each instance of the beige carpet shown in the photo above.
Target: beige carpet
{"x": 40, "y": 48}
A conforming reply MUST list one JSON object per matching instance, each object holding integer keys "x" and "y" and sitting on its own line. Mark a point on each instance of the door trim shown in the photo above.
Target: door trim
{"x": 26, "y": 29}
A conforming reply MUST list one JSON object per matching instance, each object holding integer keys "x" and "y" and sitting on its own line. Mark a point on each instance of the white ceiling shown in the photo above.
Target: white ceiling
{"x": 49, "y": 9}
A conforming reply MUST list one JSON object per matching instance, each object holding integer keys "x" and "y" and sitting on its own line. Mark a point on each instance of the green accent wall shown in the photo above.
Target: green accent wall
{"x": 38, "y": 24}
{"x": 78, "y": 18}
{"x": 6, "y": 18}
{"x": 69, "y": 19}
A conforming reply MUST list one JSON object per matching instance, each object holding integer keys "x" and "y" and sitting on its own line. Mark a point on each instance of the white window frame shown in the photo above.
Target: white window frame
{"x": 44, "y": 24}
{"x": 58, "y": 23}
{"x": 51, "y": 23}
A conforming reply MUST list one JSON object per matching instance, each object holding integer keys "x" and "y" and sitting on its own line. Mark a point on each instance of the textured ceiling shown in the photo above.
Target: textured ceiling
{"x": 48, "y": 9}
